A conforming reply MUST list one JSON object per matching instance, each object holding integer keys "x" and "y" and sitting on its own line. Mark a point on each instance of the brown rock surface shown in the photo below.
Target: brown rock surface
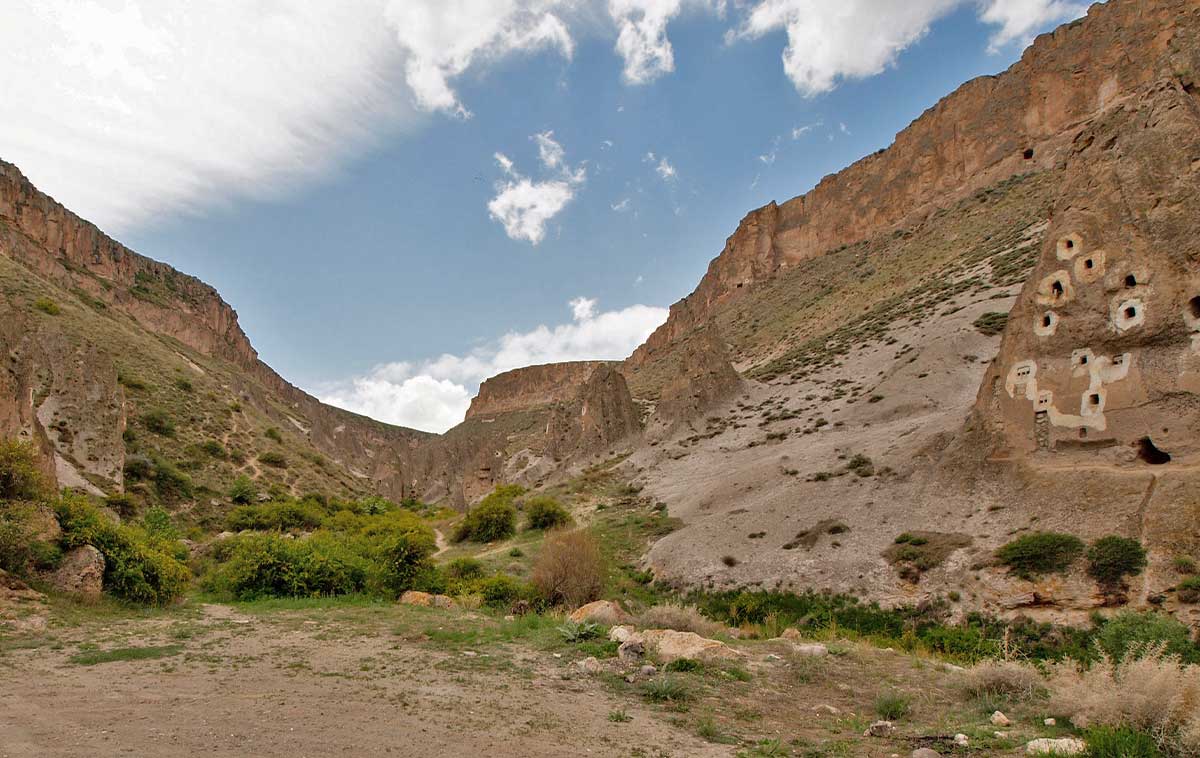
{"x": 81, "y": 572}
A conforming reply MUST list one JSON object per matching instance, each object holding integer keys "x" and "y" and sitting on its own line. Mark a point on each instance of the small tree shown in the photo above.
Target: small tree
{"x": 545, "y": 512}
{"x": 20, "y": 477}
{"x": 569, "y": 569}
{"x": 1112, "y": 558}
{"x": 1040, "y": 553}
{"x": 495, "y": 518}
{"x": 243, "y": 491}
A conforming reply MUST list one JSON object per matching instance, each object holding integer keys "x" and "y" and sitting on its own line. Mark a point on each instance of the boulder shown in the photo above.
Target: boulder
{"x": 621, "y": 632}
{"x": 604, "y": 612}
{"x": 647, "y": 670}
{"x": 791, "y": 634}
{"x": 879, "y": 729}
{"x": 811, "y": 650}
{"x": 414, "y": 597}
{"x": 590, "y": 665}
{"x": 961, "y": 740}
{"x": 631, "y": 649}
{"x": 924, "y": 752}
{"x": 81, "y": 572}
{"x": 1047, "y": 746}
{"x": 669, "y": 645}
{"x": 999, "y": 719}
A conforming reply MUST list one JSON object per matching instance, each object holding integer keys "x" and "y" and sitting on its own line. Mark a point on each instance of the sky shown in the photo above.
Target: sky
{"x": 402, "y": 198}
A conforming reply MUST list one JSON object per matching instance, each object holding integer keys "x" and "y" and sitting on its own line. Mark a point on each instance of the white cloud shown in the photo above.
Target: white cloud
{"x": 444, "y": 38}
{"x": 1019, "y": 19}
{"x": 434, "y": 395}
{"x": 621, "y": 206}
{"x": 126, "y": 111}
{"x": 524, "y": 206}
{"x": 800, "y": 131}
{"x": 642, "y": 37}
{"x": 664, "y": 168}
{"x": 830, "y": 41}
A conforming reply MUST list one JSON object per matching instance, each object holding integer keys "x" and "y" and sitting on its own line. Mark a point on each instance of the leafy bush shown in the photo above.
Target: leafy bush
{"x": 243, "y": 491}
{"x": 47, "y": 306}
{"x": 138, "y": 468}
{"x": 495, "y": 518}
{"x": 544, "y": 513}
{"x": 213, "y": 449}
{"x": 170, "y": 483}
{"x": 666, "y": 689}
{"x": 18, "y": 540}
{"x": 502, "y": 590}
{"x": 892, "y": 706}
{"x": 183, "y": 384}
{"x": 123, "y": 505}
{"x": 159, "y": 422}
{"x": 1188, "y": 591}
{"x": 20, "y": 477}
{"x": 1040, "y": 553}
{"x": 580, "y": 631}
{"x": 465, "y": 568}
{"x": 273, "y": 459}
{"x": 1112, "y": 558}
{"x": 137, "y": 566}
{"x": 279, "y": 516}
{"x": 270, "y": 566}
{"x": 1131, "y": 633}
{"x": 569, "y": 569}
{"x": 272, "y": 433}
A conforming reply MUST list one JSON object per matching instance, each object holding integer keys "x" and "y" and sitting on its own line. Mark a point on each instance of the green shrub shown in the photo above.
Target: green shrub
{"x": 1040, "y": 553}
{"x": 278, "y": 516}
{"x": 137, "y": 566}
{"x": 545, "y": 512}
{"x": 892, "y": 706}
{"x": 579, "y": 631}
{"x": 243, "y": 491}
{"x": 1188, "y": 591}
{"x": 273, "y": 433}
{"x": 17, "y": 536}
{"x": 404, "y": 558}
{"x": 47, "y": 306}
{"x": 503, "y": 590}
{"x": 271, "y": 566}
{"x": 213, "y": 449}
{"x": 991, "y": 323}
{"x": 273, "y": 459}
{"x": 1132, "y": 633}
{"x": 373, "y": 505}
{"x": 138, "y": 468}
{"x": 158, "y": 422}
{"x": 666, "y": 689}
{"x": 495, "y": 518}
{"x": 123, "y": 505}
{"x": 170, "y": 483}
{"x": 1185, "y": 564}
{"x": 1112, "y": 558}
{"x": 1120, "y": 742}
{"x": 20, "y": 477}
{"x": 464, "y": 568}
{"x": 184, "y": 385}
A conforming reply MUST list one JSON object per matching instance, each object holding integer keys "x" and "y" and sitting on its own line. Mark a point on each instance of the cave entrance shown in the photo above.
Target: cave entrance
{"x": 1131, "y": 312}
{"x": 1194, "y": 306}
{"x": 1057, "y": 287}
{"x": 1089, "y": 263}
{"x": 1130, "y": 280}
{"x": 1028, "y": 153}
{"x": 1150, "y": 454}
{"x": 1046, "y": 320}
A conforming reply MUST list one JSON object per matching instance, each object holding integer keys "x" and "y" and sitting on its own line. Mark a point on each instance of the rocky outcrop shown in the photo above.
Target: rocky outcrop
{"x": 532, "y": 387}
{"x": 80, "y": 573}
{"x": 701, "y": 375}
{"x": 990, "y": 128}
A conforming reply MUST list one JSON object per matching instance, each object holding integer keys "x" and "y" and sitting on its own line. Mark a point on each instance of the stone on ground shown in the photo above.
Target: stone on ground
{"x": 604, "y": 612}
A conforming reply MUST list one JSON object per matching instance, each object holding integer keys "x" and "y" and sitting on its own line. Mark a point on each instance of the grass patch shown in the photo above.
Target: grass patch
{"x": 93, "y": 657}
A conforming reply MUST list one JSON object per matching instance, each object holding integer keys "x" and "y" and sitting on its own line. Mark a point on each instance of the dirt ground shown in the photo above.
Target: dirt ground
{"x": 383, "y": 679}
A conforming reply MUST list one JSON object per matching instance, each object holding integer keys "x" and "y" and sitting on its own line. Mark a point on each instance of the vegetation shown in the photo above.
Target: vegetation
{"x": 991, "y": 323}
{"x": 1040, "y": 553}
{"x": 158, "y": 422}
{"x": 47, "y": 306}
{"x": 1133, "y": 634}
{"x": 1112, "y": 558}
{"x": 569, "y": 569}
{"x": 20, "y": 477}
{"x": 545, "y": 513}
{"x": 243, "y": 491}
{"x": 495, "y": 518}
{"x": 273, "y": 459}
{"x": 892, "y": 706}
{"x": 1188, "y": 591}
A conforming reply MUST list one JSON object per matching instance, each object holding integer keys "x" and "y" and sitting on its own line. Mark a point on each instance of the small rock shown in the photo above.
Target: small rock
{"x": 469, "y": 654}
{"x": 671, "y": 645}
{"x": 879, "y": 729}
{"x": 961, "y": 740}
{"x": 590, "y": 665}
{"x": 811, "y": 650}
{"x": 1064, "y": 746}
{"x": 1000, "y": 735}
{"x": 631, "y": 650}
{"x": 621, "y": 632}
{"x": 773, "y": 657}
{"x": 826, "y": 708}
{"x": 1050, "y": 722}
{"x": 924, "y": 752}
{"x": 631, "y": 678}
{"x": 999, "y": 719}
{"x": 791, "y": 634}
{"x": 647, "y": 670}
{"x": 600, "y": 612}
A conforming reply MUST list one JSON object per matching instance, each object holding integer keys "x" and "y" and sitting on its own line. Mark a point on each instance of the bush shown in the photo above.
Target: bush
{"x": 20, "y": 477}
{"x": 892, "y": 706}
{"x": 1188, "y": 591}
{"x": 243, "y": 491}
{"x": 170, "y": 483}
{"x": 569, "y": 569}
{"x": 280, "y": 517}
{"x": 273, "y": 459}
{"x": 137, "y": 566}
{"x": 464, "y": 568}
{"x": 139, "y": 468}
{"x": 502, "y": 590}
{"x": 1004, "y": 680}
{"x": 213, "y": 449}
{"x": 991, "y": 323}
{"x": 681, "y": 618}
{"x": 123, "y": 505}
{"x": 17, "y": 538}
{"x": 1112, "y": 558}
{"x": 1155, "y": 694}
{"x": 404, "y": 557}
{"x": 544, "y": 513}
{"x": 495, "y": 518}
{"x": 1040, "y": 553}
{"x": 271, "y": 566}
{"x": 47, "y": 306}
{"x": 273, "y": 434}
{"x": 158, "y": 422}
{"x": 1131, "y": 633}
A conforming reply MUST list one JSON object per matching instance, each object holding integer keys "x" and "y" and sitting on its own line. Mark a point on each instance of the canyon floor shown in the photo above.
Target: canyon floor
{"x": 369, "y": 678}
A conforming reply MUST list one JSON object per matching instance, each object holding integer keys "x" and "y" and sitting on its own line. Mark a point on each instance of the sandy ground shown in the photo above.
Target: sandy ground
{"x": 285, "y": 686}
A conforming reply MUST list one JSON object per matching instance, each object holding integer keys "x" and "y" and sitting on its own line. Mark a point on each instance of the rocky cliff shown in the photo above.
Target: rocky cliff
{"x": 531, "y": 387}
{"x": 993, "y": 127}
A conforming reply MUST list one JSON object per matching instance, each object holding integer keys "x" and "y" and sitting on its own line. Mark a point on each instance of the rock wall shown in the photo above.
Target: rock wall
{"x": 990, "y": 128}
{"x": 531, "y": 387}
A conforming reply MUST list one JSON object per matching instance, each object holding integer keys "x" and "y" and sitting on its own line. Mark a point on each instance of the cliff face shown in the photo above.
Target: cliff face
{"x": 531, "y": 387}
{"x": 993, "y": 127}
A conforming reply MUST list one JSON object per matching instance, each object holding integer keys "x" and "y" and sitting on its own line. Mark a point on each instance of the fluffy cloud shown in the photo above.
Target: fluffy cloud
{"x": 434, "y": 395}
{"x": 443, "y": 38}
{"x": 662, "y": 166}
{"x": 1019, "y": 19}
{"x": 525, "y": 206}
{"x": 642, "y": 37}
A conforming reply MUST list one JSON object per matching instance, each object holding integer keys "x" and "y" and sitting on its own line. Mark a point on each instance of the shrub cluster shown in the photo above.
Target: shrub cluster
{"x": 569, "y": 569}
{"x": 20, "y": 477}
{"x": 544, "y": 513}
{"x": 1112, "y": 558}
{"x": 1040, "y": 553}
{"x": 494, "y": 518}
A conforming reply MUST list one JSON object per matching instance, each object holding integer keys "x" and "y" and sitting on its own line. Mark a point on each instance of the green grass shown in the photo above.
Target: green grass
{"x": 892, "y": 706}
{"x": 666, "y": 689}
{"x": 1120, "y": 742}
{"x": 93, "y": 657}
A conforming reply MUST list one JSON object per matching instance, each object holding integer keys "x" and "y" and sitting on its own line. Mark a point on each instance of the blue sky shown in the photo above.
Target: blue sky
{"x": 385, "y": 249}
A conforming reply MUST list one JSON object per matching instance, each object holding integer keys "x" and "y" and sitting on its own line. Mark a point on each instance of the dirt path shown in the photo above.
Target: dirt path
{"x": 296, "y": 685}
{"x": 440, "y": 541}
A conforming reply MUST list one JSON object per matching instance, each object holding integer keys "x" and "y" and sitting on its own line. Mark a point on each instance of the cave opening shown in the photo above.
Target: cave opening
{"x": 1089, "y": 263}
{"x": 1149, "y": 453}
{"x": 1194, "y": 306}
{"x": 1046, "y": 320}
{"x": 1094, "y": 399}
{"x": 1028, "y": 153}
{"x": 1057, "y": 288}
{"x": 1131, "y": 312}
{"x": 1130, "y": 280}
